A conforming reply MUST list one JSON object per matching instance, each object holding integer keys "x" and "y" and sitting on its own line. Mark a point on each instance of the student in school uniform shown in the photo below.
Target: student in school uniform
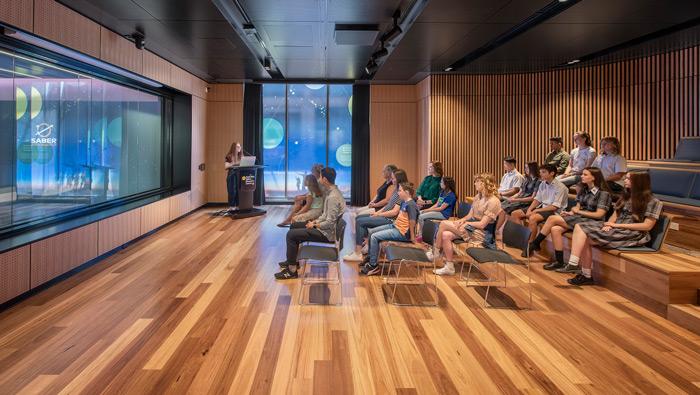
{"x": 612, "y": 164}
{"x": 557, "y": 155}
{"x": 593, "y": 202}
{"x": 530, "y": 185}
{"x": 551, "y": 198}
{"x": 581, "y": 157}
{"x": 634, "y": 217}
{"x": 511, "y": 181}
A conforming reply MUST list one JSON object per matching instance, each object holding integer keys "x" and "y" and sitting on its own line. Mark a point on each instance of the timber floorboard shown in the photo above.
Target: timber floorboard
{"x": 194, "y": 309}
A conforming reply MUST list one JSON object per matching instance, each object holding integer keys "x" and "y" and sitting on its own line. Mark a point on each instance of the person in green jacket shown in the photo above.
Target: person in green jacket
{"x": 429, "y": 190}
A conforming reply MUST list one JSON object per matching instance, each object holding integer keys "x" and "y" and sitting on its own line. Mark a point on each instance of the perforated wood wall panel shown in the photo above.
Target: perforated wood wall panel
{"x": 224, "y": 126}
{"x": 65, "y": 26}
{"x": 180, "y": 79}
{"x": 118, "y": 50}
{"x": 155, "y": 215}
{"x": 14, "y": 273}
{"x": 393, "y": 131}
{"x": 18, "y": 13}
{"x": 118, "y": 230}
{"x": 58, "y": 254}
{"x": 647, "y": 103}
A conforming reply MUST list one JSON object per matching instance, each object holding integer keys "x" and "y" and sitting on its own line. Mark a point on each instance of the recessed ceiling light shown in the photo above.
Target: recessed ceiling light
{"x": 448, "y": 68}
{"x": 563, "y": 1}
{"x": 573, "y": 61}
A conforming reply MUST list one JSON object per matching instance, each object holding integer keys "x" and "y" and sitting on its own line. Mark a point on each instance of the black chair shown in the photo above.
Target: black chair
{"x": 405, "y": 254}
{"x": 324, "y": 256}
{"x": 658, "y": 235}
{"x": 515, "y": 236}
{"x": 429, "y": 230}
{"x": 463, "y": 209}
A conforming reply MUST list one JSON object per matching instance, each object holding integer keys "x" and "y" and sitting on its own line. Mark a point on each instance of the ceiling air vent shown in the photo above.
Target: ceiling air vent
{"x": 349, "y": 34}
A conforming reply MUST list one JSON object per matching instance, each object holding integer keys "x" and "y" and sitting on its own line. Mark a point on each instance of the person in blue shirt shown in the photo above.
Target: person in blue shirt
{"x": 444, "y": 206}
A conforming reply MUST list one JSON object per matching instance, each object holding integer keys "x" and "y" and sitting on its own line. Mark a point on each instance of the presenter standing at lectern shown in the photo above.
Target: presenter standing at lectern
{"x": 233, "y": 159}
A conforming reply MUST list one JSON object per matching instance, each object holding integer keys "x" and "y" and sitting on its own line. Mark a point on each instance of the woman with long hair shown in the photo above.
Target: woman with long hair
{"x": 635, "y": 215}
{"x": 477, "y": 228}
{"x": 231, "y": 162}
{"x": 580, "y": 158}
{"x": 313, "y": 207}
{"x": 593, "y": 202}
{"x": 523, "y": 199}
{"x": 445, "y": 205}
{"x": 612, "y": 164}
{"x": 429, "y": 189}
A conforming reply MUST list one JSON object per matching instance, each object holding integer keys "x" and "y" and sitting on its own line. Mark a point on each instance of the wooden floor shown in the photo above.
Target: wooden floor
{"x": 194, "y": 308}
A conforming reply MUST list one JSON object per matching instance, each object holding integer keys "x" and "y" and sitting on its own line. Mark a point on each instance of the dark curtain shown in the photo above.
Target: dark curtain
{"x": 360, "y": 192}
{"x": 252, "y": 133}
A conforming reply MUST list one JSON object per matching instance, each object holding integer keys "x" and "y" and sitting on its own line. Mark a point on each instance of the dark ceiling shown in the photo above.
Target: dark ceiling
{"x": 300, "y": 34}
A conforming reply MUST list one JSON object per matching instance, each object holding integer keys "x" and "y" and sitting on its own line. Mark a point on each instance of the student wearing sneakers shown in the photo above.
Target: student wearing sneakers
{"x": 522, "y": 199}
{"x": 634, "y": 217}
{"x": 403, "y": 229}
{"x": 478, "y": 227}
{"x": 511, "y": 181}
{"x": 445, "y": 205}
{"x": 557, "y": 156}
{"x": 592, "y": 204}
{"x": 363, "y": 223}
{"x": 581, "y": 157}
{"x": 322, "y": 229}
{"x": 384, "y": 192}
{"x": 612, "y": 164}
{"x": 551, "y": 198}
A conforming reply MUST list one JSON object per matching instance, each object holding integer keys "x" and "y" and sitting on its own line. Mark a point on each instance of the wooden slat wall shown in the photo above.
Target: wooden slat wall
{"x": 423, "y": 136}
{"x": 393, "y": 131}
{"x": 224, "y": 126}
{"x": 155, "y": 215}
{"x": 156, "y": 68}
{"x": 647, "y": 103}
{"x": 65, "y": 26}
{"x": 117, "y": 50}
{"x": 179, "y": 205}
{"x": 14, "y": 273}
{"x": 18, "y": 13}
{"x": 118, "y": 230}
{"x": 58, "y": 254}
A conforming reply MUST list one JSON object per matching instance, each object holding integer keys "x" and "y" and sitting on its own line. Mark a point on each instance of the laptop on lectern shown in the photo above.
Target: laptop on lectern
{"x": 247, "y": 161}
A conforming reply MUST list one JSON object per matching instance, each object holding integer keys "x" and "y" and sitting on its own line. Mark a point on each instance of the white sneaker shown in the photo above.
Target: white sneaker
{"x": 365, "y": 249}
{"x": 353, "y": 257}
{"x": 430, "y": 255}
{"x": 447, "y": 270}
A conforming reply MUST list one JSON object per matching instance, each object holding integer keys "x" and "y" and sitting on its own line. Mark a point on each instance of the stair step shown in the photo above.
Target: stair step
{"x": 685, "y": 315}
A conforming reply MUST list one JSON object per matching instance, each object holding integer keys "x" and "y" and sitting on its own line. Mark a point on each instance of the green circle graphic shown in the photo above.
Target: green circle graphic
{"x": 350, "y": 105}
{"x": 20, "y": 102}
{"x": 344, "y": 155}
{"x": 273, "y": 133}
{"x": 114, "y": 132}
{"x": 37, "y": 102}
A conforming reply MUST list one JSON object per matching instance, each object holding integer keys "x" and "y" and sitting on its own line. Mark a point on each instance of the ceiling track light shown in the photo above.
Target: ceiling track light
{"x": 381, "y": 53}
{"x": 573, "y": 61}
{"x": 371, "y": 67}
{"x": 267, "y": 64}
{"x": 448, "y": 68}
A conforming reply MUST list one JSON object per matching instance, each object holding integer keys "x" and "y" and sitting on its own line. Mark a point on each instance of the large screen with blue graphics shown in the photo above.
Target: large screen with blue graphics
{"x": 69, "y": 140}
{"x": 305, "y": 124}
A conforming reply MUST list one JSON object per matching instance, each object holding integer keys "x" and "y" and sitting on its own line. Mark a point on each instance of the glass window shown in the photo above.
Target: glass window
{"x": 305, "y": 124}
{"x": 77, "y": 140}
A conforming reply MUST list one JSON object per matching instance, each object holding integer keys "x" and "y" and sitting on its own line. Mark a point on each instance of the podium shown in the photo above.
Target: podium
{"x": 247, "y": 176}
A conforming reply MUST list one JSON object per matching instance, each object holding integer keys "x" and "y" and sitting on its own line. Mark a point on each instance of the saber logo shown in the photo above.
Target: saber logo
{"x": 43, "y": 135}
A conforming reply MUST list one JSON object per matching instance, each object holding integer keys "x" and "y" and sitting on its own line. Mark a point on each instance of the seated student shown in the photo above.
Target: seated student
{"x": 403, "y": 229}
{"x": 300, "y": 200}
{"x": 635, "y": 215}
{"x": 581, "y": 157}
{"x": 522, "y": 199}
{"x": 478, "y": 227}
{"x": 382, "y": 217}
{"x": 320, "y": 230}
{"x": 612, "y": 164}
{"x": 511, "y": 181}
{"x": 429, "y": 188}
{"x": 592, "y": 204}
{"x": 313, "y": 208}
{"x": 557, "y": 156}
{"x": 383, "y": 193}
{"x": 551, "y": 198}
{"x": 445, "y": 205}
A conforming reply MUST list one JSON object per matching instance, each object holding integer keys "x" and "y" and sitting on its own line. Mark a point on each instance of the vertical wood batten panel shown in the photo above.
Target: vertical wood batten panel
{"x": 649, "y": 104}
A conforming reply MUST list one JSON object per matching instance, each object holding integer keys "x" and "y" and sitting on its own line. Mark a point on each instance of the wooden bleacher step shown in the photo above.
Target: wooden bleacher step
{"x": 685, "y": 315}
